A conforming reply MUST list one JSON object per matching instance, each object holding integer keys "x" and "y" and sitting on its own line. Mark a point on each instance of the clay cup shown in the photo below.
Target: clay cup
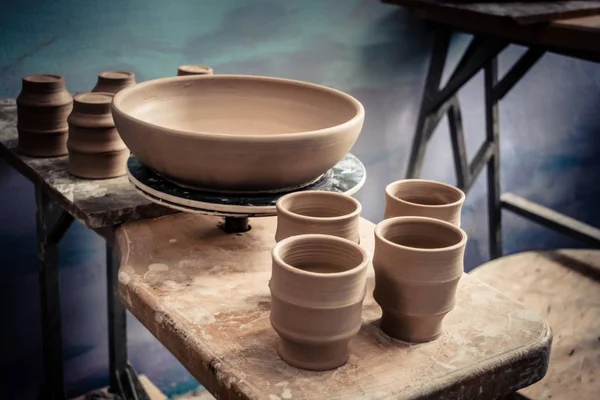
{"x": 194, "y": 70}
{"x": 418, "y": 263}
{"x": 424, "y": 198}
{"x": 114, "y": 81}
{"x": 317, "y": 285}
{"x": 314, "y": 211}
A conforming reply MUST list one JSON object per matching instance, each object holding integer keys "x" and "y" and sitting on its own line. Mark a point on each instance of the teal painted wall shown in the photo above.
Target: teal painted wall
{"x": 378, "y": 53}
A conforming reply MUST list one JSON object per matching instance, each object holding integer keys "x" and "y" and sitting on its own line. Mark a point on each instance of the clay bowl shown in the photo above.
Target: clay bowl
{"x": 237, "y": 133}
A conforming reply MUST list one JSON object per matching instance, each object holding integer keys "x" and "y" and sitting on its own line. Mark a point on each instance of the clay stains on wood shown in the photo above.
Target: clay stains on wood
{"x": 211, "y": 309}
{"x": 94, "y": 203}
{"x": 564, "y": 286}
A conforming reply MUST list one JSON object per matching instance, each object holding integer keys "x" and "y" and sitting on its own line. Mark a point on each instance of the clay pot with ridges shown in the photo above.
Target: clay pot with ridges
{"x": 42, "y": 110}
{"x": 317, "y": 285}
{"x": 418, "y": 263}
{"x": 313, "y": 211}
{"x": 424, "y": 198}
{"x": 194, "y": 70}
{"x": 96, "y": 150}
{"x": 114, "y": 81}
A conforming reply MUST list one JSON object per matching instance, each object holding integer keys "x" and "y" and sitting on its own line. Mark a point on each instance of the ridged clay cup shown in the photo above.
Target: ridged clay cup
{"x": 194, "y": 70}
{"x": 317, "y": 285}
{"x": 424, "y": 198}
{"x": 314, "y": 211}
{"x": 418, "y": 263}
{"x": 114, "y": 81}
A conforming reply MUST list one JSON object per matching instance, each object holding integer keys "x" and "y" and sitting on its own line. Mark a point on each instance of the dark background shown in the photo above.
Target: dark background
{"x": 378, "y": 53}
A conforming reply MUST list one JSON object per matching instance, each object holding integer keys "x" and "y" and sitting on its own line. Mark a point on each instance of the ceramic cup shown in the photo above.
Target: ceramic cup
{"x": 42, "y": 110}
{"x": 314, "y": 211}
{"x": 424, "y": 198}
{"x": 114, "y": 81}
{"x": 194, "y": 70}
{"x": 96, "y": 150}
{"x": 418, "y": 262}
{"x": 317, "y": 285}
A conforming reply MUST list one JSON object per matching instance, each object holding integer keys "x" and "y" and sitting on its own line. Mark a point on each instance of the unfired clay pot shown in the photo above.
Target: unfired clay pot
{"x": 114, "y": 81}
{"x": 194, "y": 70}
{"x": 315, "y": 211}
{"x": 96, "y": 150}
{"x": 418, "y": 262}
{"x": 237, "y": 133}
{"x": 420, "y": 197}
{"x": 42, "y": 110}
{"x": 318, "y": 284}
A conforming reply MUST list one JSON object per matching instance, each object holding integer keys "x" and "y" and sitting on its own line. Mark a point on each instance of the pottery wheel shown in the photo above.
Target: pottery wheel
{"x": 347, "y": 176}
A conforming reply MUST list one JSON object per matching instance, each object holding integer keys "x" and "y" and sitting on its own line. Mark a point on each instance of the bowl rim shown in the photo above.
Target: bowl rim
{"x": 357, "y": 118}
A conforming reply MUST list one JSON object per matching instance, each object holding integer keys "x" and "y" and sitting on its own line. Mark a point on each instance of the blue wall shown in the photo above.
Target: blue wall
{"x": 376, "y": 52}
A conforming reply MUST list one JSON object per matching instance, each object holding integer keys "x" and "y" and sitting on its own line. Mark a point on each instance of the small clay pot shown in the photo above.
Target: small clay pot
{"x": 42, "y": 110}
{"x": 96, "y": 150}
{"x": 114, "y": 81}
{"x": 318, "y": 284}
{"x": 424, "y": 198}
{"x": 315, "y": 211}
{"x": 194, "y": 70}
{"x": 418, "y": 262}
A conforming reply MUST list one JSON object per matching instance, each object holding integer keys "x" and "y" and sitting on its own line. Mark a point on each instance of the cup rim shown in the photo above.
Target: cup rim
{"x": 390, "y": 186}
{"x": 307, "y": 193}
{"x": 317, "y": 236}
{"x": 425, "y": 220}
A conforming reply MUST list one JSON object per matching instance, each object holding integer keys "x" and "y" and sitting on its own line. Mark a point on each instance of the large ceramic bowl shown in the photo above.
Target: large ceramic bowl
{"x": 237, "y": 133}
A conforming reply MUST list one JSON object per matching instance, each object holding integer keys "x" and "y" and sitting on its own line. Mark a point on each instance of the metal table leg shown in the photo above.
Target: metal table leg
{"x": 124, "y": 380}
{"x": 52, "y": 222}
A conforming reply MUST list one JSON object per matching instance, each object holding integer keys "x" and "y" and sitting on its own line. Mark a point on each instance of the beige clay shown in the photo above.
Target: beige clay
{"x": 418, "y": 262}
{"x": 114, "y": 81}
{"x": 194, "y": 70}
{"x": 96, "y": 150}
{"x": 425, "y": 198}
{"x": 318, "y": 284}
{"x": 42, "y": 110}
{"x": 314, "y": 211}
{"x": 236, "y": 132}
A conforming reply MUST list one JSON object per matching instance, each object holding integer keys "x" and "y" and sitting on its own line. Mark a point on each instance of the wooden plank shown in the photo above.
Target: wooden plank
{"x": 550, "y": 218}
{"x": 95, "y": 203}
{"x": 564, "y": 287}
{"x": 574, "y": 38}
{"x": 520, "y": 12}
{"x": 204, "y": 295}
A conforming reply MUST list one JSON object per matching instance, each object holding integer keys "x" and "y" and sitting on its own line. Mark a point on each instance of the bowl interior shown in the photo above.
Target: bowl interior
{"x": 237, "y": 105}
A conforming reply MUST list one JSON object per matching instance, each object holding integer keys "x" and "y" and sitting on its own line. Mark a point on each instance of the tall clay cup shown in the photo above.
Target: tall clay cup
{"x": 316, "y": 211}
{"x": 424, "y": 198}
{"x": 418, "y": 262}
{"x": 318, "y": 284}
{"x": 114, "y": 81}
{"x": 194, "y": 70}
{"x": 96, "y": 151}
{"x": 42, "y": 110}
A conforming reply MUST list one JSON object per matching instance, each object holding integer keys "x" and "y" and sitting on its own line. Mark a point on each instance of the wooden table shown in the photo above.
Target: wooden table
{"x": 97, "y": 204}
{"x": 203, "y": 293}
{"x": 539, "y": 25}
{"x": 564, "y": 287}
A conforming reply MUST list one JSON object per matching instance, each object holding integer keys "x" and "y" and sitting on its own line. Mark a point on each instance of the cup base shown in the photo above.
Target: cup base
{"x": 314, "y": 357}
{"x": 412, "y": 328}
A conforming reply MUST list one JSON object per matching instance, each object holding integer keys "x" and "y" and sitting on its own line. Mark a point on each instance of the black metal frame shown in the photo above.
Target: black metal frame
{"x": 52, "y": 223}
{"x": 481, "y": 53}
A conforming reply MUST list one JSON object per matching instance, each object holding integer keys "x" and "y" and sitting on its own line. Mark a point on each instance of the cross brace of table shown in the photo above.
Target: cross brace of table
{"x": 481, "y": 54}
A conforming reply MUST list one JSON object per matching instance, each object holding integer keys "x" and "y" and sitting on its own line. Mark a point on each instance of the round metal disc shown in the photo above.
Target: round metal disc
{"x": 347, "y": 176}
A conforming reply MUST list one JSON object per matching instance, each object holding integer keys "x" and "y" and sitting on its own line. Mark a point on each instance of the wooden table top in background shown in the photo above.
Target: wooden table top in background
{"x": 204, "y": 295}
{"x": 96, "y": 203}
{"x": 566, "y": 27}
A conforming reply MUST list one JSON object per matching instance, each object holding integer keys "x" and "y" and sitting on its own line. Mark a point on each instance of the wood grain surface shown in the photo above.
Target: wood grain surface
{"x": 96, "y": 203}
{"x": 564, "y": 287}
{"x": 204, "y": 295}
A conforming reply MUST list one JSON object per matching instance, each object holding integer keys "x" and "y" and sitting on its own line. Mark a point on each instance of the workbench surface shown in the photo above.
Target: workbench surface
{"x": 204, "y": 295}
